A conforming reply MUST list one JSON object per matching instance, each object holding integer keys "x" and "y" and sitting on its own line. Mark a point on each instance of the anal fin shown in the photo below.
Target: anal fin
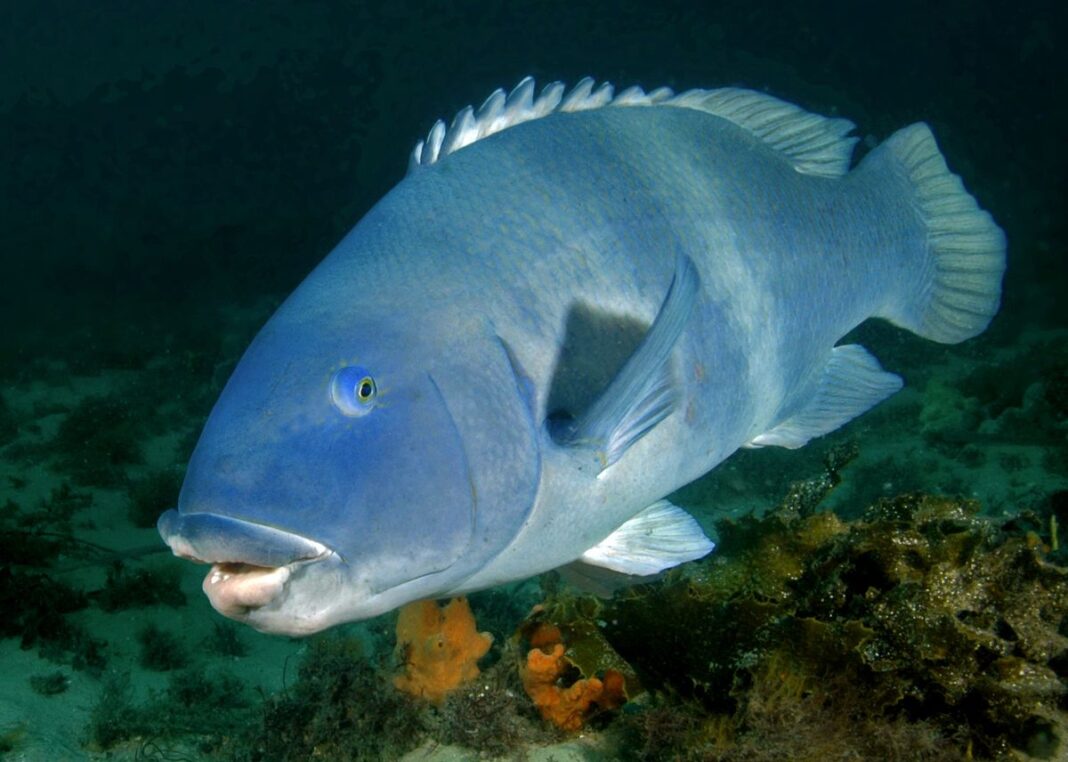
{"x": 852, "y": 383}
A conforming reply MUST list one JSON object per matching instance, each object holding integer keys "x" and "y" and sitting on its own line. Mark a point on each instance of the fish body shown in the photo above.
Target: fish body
{"x": 572, "y": 306}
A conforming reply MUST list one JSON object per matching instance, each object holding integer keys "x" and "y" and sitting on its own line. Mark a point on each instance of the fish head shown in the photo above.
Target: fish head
{"x": 331, "y": 482}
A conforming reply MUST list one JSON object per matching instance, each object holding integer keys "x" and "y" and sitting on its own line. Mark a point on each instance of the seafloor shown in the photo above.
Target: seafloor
{"x": 172, "y": 173}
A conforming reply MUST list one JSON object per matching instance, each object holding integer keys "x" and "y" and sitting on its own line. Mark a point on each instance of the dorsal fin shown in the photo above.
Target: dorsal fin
{"x": 814, "y": 144}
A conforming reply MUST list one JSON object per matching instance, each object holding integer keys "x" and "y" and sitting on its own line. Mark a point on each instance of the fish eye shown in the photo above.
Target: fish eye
{"x": 353, "y": 390}
{"x": 365, "y": 389}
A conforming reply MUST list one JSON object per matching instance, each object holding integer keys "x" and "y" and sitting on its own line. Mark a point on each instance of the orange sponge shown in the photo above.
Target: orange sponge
{"x": 440, "y": 648}
{"x": 566, "y": 707}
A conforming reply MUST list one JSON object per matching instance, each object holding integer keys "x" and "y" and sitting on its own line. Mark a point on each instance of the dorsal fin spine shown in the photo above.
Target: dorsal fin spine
{"x": 814, "y": 144}
{"x": 579, "y": 93}
{"x": 434, "y": 140}
{"x": 461, "y": 132}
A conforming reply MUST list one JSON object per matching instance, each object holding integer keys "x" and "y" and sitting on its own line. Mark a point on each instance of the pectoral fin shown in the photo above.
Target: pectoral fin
{"x": 660, "y": 537}
{"x": 643, "y": 392}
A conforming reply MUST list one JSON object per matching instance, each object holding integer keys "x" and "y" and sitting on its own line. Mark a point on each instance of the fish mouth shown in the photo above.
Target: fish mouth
{"x": 250, "y": 562}
{"x": 234, "y": 590}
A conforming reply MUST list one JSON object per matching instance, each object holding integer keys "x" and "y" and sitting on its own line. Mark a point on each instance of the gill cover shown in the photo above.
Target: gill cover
{"x": 387, "y": 489}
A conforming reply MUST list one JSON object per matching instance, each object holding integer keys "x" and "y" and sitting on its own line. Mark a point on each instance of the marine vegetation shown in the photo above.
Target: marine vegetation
{"x": 61, "y": 505}
{"x": 146, "y": 586}
{"x": 346, "y": 706}
{"x": 22, "y": 547}
{"x": 439, "y": 648}
{"x": 197, "y": 707}
{"x": 491, "y": 715}
{"x": 39, "y": 537}
{"x": 44, "y": 536}
{"x": 340, "y": 708}
{"x": 225, "y": 640}
{"x": 98, "y": 439}
{"x": 51, "y": 684}
{"x": 161, "y": 651}
{"x": 113, "y": 717}
{"x": 11, "y": 737}
{"x": 35, "y": 608}
{"x": 920, "y": 630}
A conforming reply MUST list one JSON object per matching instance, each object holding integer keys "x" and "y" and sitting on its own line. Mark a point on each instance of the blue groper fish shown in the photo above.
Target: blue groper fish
{"x": 574, "y": 303}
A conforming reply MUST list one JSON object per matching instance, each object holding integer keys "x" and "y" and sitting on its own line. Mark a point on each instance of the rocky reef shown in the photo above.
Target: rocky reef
{"x": 918, "y": 631}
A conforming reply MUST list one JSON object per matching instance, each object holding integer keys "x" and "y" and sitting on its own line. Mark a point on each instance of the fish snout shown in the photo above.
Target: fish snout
{"x": 215, "y": 539}
{"x": 251, "y": 562}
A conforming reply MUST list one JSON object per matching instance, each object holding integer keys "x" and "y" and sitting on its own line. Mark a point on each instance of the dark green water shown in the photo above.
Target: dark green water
{"x": 169, "y": 172}
{"x": 160, "y": 160}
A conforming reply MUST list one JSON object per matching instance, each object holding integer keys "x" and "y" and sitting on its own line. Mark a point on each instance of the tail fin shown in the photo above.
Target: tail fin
{"x": 960, "y": 288}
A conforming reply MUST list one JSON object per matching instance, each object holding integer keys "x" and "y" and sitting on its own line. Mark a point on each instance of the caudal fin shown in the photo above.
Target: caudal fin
{"x": 960, "y": 289}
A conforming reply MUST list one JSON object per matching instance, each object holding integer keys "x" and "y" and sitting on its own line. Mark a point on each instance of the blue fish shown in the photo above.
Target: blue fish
{"x": 575, "y": 303}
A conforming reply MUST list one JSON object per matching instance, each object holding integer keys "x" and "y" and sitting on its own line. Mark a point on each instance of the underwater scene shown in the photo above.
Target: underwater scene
{"x": 581, "y": 446}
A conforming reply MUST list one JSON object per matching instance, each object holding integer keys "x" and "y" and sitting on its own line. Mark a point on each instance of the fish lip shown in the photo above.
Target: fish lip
{"x": 216, "y": 539}
{"x": 236, "y": 590}
{"x": 251, "y": 563}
